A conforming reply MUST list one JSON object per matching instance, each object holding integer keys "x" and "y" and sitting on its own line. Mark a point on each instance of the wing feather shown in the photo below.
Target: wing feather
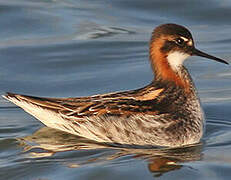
{"x": 117, "y": 104}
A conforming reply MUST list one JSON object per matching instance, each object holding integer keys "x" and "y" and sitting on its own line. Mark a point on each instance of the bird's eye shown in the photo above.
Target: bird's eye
{"x": 179, "y": 41}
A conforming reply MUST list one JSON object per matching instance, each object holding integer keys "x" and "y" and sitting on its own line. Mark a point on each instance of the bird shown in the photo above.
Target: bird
{"x": 165, "y": 113}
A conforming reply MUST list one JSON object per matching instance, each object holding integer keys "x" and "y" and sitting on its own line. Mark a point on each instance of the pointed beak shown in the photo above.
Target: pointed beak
{"x": 197, "y": 52}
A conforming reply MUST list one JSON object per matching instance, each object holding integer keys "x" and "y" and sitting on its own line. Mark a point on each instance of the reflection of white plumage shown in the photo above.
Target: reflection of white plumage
{"x": 166, "y": 112}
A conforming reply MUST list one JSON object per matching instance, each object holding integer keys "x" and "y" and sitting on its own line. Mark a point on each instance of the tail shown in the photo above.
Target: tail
{"x": 38, "y": 107}
{"x": 10, "y": 96}
{"x": 48, "y": 111}
{"x": 39, "y": 101}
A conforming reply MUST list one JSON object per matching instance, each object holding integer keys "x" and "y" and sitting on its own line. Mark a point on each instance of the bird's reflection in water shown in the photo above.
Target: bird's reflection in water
{"x": 46, "y": 142}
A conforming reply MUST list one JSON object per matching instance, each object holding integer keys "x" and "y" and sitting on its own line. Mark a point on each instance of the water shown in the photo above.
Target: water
{"x": 77, "y": 48}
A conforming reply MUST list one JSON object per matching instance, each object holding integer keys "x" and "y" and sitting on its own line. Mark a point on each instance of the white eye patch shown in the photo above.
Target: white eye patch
{"x": 184, "y": 38}
{"x": 188, "y": 41}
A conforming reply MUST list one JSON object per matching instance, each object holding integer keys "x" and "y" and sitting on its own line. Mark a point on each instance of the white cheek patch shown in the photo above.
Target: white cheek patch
{"x": 176, "y": 59}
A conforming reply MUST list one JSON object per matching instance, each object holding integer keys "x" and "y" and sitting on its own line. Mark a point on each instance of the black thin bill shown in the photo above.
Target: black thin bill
{"x": 197, "y": 52}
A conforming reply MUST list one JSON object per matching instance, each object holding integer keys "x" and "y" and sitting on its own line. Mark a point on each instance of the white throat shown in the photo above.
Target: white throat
{"x": 176, "y": 59}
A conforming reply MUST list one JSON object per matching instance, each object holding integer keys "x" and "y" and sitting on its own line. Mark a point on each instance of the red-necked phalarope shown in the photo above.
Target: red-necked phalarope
{"x": 167, "y": 112}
